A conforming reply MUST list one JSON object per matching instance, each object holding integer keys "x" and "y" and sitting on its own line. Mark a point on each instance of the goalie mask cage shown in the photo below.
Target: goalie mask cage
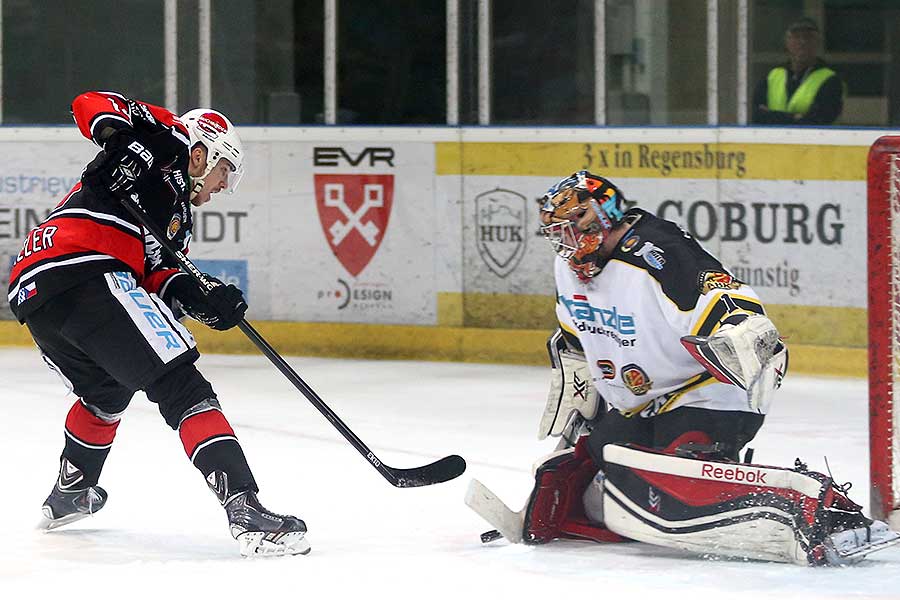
{"x": 884, "y": 326}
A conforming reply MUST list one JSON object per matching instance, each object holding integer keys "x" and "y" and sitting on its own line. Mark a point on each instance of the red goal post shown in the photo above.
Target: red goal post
{"x": 884, "y": 326}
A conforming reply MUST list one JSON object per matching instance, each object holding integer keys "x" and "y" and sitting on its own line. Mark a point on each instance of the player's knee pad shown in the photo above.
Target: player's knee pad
{"x": 177, "y": 391}
{"x": 555, "y": 508}
{"x": 106, "y": 398}
{"x": 730, "y": 509}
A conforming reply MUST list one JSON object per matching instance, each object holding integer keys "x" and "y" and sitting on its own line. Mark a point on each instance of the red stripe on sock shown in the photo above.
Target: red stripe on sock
{"x": 83, "y": 425}
{"x": 200, "y": 427}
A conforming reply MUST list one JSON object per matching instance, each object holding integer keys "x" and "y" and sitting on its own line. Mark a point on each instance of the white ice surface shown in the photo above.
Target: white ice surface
{"x": 162, "y": 533}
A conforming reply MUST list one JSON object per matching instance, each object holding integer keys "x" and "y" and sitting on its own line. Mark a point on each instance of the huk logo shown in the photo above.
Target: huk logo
{"x": 500, "y": 221}
{"x": 354, "y": 212}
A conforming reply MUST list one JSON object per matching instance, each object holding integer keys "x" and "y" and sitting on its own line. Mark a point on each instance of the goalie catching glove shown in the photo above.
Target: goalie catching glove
{"x": 745, "y": 351}
{"x": 220, "y": 308}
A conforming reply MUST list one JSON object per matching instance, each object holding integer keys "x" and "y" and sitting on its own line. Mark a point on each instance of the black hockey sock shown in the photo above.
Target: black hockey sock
{"x": 88, "y": 440}
{"x": 211, "y": 445}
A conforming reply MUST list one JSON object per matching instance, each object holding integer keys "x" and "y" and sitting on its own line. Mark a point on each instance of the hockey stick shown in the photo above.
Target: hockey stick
{"x": 439, "y": 471}
{"x": 509, "y": 523}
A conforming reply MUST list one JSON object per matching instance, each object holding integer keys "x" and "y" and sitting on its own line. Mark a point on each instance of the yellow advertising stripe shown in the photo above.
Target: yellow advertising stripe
{"x": 458, "y": 344}
{"x": 811, "y": 325}
{"x": 498, "y": 311}
{"x": 786, "y": 162}
{"x": 825, "y": 326}
{"x": 13, "y": 334}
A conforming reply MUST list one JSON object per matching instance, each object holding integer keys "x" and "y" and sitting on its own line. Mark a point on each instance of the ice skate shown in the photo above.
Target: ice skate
{"x": 853, "y": 537}
{"x": 68, "y": 501}
{"x": 262, "y": 532}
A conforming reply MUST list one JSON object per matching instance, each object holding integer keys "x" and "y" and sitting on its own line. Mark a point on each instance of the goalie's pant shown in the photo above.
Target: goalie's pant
{"x": 725, "y": 431}
{"x": 108, "y": 338}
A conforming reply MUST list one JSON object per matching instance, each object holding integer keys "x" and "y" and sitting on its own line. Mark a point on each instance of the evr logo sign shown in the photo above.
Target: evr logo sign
{"x": 334, "y": 156}
{"x": 354, "y": 211}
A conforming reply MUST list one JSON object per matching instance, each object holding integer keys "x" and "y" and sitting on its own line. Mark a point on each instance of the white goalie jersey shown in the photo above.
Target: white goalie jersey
{"x": 658, "y": 286}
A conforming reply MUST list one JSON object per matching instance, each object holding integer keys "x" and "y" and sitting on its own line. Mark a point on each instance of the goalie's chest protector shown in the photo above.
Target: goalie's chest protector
{"x": 630, "y": 319}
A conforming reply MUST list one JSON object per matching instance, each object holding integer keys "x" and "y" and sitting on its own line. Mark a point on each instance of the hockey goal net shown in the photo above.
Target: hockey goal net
{"x": 884, "y": 326}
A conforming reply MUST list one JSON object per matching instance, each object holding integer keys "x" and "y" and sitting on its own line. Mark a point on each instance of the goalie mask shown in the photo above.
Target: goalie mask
{"x": 576, "y": 216}
{"x": 218, "y": 135}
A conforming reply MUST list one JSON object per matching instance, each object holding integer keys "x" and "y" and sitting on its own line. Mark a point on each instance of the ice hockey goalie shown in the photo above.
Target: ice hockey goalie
{"x": 664, "y": 368}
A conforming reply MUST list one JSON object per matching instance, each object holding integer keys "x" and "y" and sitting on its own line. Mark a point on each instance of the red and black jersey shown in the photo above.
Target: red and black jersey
{"x": 90, "y": 232}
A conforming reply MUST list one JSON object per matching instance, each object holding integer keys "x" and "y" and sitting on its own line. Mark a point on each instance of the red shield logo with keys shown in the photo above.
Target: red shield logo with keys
{"x": 354, "y": 212}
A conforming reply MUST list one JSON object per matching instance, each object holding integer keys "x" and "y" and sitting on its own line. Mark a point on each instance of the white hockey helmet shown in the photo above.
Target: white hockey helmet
{"x": 221, "y": 140}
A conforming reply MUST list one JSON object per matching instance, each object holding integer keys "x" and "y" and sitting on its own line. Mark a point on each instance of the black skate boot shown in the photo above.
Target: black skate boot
{"x": 262, "y": 532}
{"x": 70, "y": 500}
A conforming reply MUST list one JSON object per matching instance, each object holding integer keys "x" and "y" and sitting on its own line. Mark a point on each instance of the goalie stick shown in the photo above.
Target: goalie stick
{"x": 491, "y": 508}
{"x": 439, "y": 471}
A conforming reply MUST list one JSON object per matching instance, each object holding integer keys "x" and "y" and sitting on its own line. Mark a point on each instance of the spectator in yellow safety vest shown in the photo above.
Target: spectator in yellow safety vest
{"x": 804, "y": 91}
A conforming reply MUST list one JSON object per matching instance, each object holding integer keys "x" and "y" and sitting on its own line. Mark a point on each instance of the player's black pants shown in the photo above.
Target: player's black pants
{"x": 730, "y": 428}
{"x": 108, "y": 338}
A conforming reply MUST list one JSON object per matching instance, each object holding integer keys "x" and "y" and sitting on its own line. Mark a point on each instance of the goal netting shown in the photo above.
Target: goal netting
{"x": 884, "y": 326}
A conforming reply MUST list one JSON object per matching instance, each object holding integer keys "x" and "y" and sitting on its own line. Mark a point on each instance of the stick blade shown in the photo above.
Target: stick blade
{"x": 445, "y": 469}
{"x": 492, "y": 509}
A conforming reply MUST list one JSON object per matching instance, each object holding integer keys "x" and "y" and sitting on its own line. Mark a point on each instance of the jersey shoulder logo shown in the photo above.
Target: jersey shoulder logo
{"x": 608, "y": 368}
{"x": 717, "y": 280}
{"x": 174, "y": 226}
{"x": 652, "y": 255}
{"x": 630, "y": 241}
{"x": 636, "y": 379}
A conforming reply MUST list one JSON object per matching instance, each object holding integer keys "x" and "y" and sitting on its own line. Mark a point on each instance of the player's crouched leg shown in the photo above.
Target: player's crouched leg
{"x": 189, "y": 405}
{"x": 734, "y": 509}
{"x": 556, "y": 509}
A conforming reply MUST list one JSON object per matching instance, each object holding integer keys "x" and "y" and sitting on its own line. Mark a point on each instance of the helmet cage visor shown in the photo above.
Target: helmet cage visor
{"x": 564, "y": 237}
{"x": 234, "y": 179}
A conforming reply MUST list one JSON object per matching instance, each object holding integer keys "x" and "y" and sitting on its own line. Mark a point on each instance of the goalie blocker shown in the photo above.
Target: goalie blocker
{"x": 689, "y": 501}
{"x": 573, "y": 401}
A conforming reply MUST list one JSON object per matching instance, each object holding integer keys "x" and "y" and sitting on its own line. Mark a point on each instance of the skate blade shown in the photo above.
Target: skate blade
{"x": 853, "y": 553}
{"x": 48, "y": 523}
{"x": 261, "y": 544}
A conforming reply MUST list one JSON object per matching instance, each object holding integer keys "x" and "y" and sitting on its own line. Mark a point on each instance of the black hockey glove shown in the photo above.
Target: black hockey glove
{"x": 221, "y": 308}
{"x": 125, "y": 168}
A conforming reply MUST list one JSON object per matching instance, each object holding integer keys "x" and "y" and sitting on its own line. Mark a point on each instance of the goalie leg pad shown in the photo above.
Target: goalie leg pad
{"x": 555, "y": 509}
{"x": 738, "y": 510}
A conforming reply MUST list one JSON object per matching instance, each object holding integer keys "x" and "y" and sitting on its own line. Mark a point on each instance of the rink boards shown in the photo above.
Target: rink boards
{"x": 405, "y": 242}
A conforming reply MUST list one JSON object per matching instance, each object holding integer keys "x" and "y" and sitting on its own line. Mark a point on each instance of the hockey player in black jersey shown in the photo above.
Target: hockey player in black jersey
{"x": 100, "y": 300}
{"x": 664, "y": 367}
